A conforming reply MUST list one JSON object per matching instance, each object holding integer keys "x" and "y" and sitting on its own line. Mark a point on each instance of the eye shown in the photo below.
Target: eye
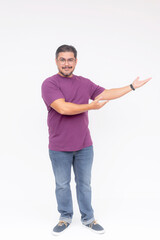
{"x": 71, "y": 60}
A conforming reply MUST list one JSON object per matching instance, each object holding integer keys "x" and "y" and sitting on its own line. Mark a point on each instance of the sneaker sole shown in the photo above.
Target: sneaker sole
{"x": 92, "y": 230}
{"x": 59, "y": 233}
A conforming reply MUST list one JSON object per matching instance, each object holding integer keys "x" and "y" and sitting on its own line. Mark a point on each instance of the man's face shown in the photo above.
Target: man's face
{"x": 66, "y": 63}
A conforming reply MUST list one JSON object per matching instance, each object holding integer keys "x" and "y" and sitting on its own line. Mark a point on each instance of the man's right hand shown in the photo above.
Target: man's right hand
{"x": 96, "y": 104}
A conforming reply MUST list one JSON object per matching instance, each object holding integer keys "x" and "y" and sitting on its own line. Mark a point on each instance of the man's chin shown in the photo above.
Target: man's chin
{"x": 66, "y": 74}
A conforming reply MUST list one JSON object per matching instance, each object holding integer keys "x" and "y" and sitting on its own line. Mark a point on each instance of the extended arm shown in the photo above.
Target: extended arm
{"x": 118, "y": 92}
{"x": 68, "y": 108}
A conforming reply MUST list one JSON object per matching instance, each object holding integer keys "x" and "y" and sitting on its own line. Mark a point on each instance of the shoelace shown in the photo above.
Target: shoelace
{"x": 61, "y": 223}
{"x": 91, "y": 224}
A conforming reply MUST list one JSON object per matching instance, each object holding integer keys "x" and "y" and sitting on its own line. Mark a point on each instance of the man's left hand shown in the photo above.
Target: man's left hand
{"x": 136, "y": 83}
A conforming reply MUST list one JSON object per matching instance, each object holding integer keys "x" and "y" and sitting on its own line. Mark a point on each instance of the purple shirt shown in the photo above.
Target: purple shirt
{"x": 68, "y": 132}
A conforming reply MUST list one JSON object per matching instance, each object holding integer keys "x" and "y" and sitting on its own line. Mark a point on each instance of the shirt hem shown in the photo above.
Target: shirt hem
{"x": 69, "y": 149}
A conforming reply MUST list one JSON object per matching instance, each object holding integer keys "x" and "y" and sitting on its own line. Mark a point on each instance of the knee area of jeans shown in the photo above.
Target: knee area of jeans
{"x": 84, "y": 186}
{"x": 83, "y": 182}
{"x": 63, "y": 185}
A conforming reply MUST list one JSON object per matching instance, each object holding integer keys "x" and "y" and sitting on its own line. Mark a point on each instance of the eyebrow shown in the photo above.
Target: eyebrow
{"x": 65, "y": 59}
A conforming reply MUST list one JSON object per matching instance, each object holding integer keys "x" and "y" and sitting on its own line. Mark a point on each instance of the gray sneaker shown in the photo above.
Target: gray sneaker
{"x": 95, "y": 227}
{"x": 60, "y": 227}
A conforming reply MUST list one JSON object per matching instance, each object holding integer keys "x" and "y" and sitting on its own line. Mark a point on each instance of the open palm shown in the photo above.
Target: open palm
{"x": 136, "y": 83}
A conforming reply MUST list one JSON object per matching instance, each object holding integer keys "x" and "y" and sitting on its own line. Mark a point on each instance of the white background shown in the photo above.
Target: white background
{"x": 116, "y": 42}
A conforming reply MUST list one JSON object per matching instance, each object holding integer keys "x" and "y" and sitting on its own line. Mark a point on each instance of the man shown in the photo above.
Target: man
{"x": 66, "y": 97}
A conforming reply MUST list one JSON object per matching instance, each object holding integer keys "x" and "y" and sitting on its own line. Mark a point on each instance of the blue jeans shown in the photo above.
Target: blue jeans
{"x": 62, "y": 162}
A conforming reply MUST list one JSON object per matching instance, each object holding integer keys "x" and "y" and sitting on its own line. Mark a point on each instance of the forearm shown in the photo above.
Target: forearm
{"x": 72, "y": 108}
{"x": 116, "y": 92}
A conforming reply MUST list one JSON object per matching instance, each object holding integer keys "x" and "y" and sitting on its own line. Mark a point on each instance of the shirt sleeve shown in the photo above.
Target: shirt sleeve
{"x": 50, "y": 92}
{"x": 95, "y": 90}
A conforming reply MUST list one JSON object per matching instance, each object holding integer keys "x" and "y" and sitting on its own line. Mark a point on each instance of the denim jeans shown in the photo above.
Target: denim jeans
{"x": 62, "y": 162}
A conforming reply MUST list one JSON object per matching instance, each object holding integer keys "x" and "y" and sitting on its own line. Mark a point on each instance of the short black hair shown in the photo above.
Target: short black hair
{"x": 66, "y": 48}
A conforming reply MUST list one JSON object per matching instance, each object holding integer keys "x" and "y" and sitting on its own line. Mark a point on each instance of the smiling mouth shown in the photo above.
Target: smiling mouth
{"x": 67, "y": 69}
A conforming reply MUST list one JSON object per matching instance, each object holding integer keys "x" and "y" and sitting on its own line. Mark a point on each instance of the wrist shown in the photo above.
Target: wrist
{"x": 90, "y": 106}
{"x": 132, "y": 87}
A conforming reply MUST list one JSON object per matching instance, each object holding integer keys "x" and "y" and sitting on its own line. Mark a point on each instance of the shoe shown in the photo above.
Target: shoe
{"x": 95, "y": 227}
{"x": 60, "y": 228}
